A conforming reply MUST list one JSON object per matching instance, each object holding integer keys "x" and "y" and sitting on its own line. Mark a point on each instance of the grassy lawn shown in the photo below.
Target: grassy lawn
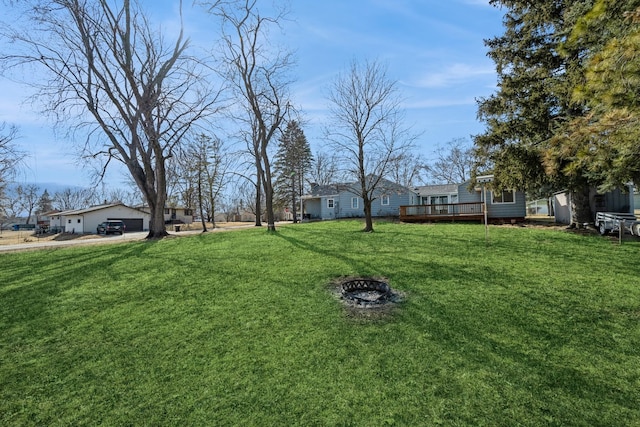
{"x": 538, "y": 327}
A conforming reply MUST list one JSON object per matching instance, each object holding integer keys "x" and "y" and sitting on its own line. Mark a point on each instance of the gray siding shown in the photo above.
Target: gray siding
{"x": 507, "y": 210}
{"x": 501, "y": 210}
{"x": 327, "y": 212}
{"x": 464, "y": 196}
{"x": 312, "y": 207}
{"x": 317, "y": 206}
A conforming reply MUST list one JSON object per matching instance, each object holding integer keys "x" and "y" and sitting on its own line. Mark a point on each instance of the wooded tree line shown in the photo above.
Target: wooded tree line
{"x": 565, "y": 114}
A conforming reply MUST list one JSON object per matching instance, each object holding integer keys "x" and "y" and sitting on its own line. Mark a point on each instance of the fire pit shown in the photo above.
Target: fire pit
{"x": 366, "y": 292}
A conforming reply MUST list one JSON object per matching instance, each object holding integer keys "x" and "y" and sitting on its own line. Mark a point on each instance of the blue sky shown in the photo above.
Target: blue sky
{"x": 433, "y": 48}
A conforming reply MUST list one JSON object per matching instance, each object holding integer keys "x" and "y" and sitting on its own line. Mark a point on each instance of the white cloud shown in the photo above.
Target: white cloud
{"x": 439, "y": 102}
{"x": 453, "y": 75}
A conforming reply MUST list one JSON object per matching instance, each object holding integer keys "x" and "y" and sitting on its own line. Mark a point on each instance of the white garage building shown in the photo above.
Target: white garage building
{"x": 86, "y": 220}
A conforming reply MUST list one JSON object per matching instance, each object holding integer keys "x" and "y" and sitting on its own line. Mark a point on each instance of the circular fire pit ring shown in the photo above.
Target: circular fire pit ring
{"x": 365, "y": 292}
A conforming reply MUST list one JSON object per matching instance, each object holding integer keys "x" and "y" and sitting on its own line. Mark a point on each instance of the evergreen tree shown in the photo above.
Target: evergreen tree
{"x": 45, "y": 203}
{"x": 292, "y": 162}
{"x": 537, "y": 72}
{"x": 602, "y": 144}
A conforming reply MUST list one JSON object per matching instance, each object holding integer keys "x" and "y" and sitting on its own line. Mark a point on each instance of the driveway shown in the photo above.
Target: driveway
{"x": 100, "y": 240}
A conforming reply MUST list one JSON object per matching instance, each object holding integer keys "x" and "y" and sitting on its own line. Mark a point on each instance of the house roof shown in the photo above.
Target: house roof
{"x": 335, "y": 189}
{"x": 430, "y": 190}
{"x": 92, "y": 209}
{"x": 322, "y": 191}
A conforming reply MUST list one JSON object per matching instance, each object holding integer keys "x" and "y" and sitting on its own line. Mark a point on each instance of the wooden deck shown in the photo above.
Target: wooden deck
{"x": 443, "y": 212}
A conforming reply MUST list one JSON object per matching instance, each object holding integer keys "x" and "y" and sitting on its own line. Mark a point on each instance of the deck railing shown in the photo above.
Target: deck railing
{"x": 445, "y": 211}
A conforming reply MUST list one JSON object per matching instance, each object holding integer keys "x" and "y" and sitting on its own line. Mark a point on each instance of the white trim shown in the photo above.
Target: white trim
{"x": 331, "y": 203}
{"x": 382, "y": 200}
{"x": 354, "y": 203}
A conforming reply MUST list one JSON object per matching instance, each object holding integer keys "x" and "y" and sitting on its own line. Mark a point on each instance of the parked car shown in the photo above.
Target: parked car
{"x": 109, "y": 227}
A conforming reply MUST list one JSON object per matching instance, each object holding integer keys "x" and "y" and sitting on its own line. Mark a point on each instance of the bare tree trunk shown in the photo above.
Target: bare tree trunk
{"x": 268, "y": 189}
{"x": 200, "y": 197}
{"x": 294, "y": 207}
{"x": 258, "y": 209}
{"x": 368, "y": 220}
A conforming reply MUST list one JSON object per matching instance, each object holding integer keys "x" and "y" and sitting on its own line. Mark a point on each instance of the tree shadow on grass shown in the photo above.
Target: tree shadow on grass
{"x": 31, "y": 282}
{"x": 536, "y": 369}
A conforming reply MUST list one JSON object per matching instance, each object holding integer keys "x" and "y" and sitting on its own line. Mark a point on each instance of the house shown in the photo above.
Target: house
{"x": 87, "y": 220}
{"x": 451, "y": 202}
{"x": 178, "y": 215}
{"x": 173, "y": 215}
{"x": 343, "y": 201}
{"x": 618, "y": 200}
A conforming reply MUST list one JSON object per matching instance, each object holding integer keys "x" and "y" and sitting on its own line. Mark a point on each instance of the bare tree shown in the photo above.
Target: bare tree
{"x": 324, "y": 169}
{"x": 27, "y": 199}
{"x": 207, "y": 163}
{"x": 117, "y": 195}
{"x": 10, "y": 158}
{"x": 453, "y": 163}
{"x": 258, "y": 74}
{"x": 110, "y": 73}
{"x": 70, "y": 199}
{"x": 366, "y": 126}
{"x": 407, "y": 169}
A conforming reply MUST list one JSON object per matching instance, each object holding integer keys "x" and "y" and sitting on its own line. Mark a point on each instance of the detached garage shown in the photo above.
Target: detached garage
{"x": 86, "y": 220}
{"x": 131, "y": 224}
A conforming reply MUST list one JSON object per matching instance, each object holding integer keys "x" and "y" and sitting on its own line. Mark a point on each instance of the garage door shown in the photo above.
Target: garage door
{"x": 132, "y": 224}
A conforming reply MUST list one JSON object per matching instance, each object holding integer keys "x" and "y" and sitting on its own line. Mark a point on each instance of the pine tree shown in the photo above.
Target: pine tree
{"x": 45, "y": 203}
{"x": 537, "y": 72}
{"x": 602, "y": 144}
{"x": 292, "y": 162}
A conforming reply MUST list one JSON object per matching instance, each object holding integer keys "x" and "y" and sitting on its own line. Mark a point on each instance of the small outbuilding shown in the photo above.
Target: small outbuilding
{"x": 618, "y": 200}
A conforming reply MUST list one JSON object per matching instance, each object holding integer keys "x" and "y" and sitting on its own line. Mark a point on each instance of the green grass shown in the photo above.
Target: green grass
{"x": 538, "y": 327}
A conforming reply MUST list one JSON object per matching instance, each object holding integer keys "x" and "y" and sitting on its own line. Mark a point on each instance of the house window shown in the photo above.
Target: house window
{"x": 167, "y": 211}
{"x": 354, "y": 203}
{"x": 507, "y": 196}
{"x": 69, "y": 221}
{"x": 330, "y": 203}
{"x": 78, "y": 220}
{"x": 187, "y": 212}
{"x": 385, "y": 200}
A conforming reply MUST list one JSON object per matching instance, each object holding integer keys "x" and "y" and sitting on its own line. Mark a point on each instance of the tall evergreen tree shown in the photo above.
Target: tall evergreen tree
{"x": 602, "y": 144}
{"x": 537, "y": 72}
{"x": 292, "y": 163}
{"x": 45, "y": 203}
